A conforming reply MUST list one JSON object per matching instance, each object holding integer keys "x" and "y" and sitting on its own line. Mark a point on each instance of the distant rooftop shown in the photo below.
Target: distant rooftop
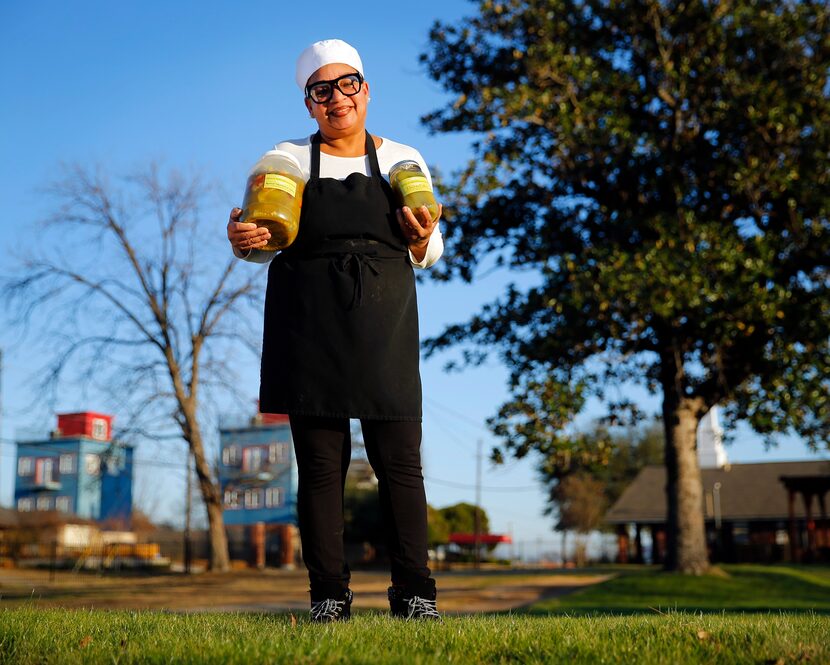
{"x": 746, "y": 492}
{"x": 236, "y": 421}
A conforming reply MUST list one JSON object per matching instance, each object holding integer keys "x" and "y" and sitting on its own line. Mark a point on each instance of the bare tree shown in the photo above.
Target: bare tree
{"x": 132, "y": 298}
{"x": 582, "y": 503}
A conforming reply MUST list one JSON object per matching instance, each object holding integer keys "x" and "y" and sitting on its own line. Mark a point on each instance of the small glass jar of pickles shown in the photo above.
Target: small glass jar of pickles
{"x": 412, "y": 188}
{"x": 274, "y": 196}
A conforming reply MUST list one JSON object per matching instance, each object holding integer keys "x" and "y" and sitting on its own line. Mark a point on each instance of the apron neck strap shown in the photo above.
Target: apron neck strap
{"x": 315, "y": 156}
{"x": 373, "y": 156}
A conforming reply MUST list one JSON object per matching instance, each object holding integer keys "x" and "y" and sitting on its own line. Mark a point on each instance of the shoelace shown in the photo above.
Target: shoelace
{"x": 326, "y": 609}
{"x": 421, "y": 607}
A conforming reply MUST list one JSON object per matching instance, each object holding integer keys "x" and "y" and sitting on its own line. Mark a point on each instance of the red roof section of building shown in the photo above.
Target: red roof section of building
{"x": 91, "y": 424}
{"x": 483, "y": 538}
{"x": 273, "y": 418}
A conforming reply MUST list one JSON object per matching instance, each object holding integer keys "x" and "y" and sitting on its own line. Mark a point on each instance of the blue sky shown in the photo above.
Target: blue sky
{"x": 207, "y": 87}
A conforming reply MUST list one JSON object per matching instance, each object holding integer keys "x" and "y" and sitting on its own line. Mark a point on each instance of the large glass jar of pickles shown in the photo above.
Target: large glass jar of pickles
{"x": 411, "y": 186}
{"x": 274, "y": 196}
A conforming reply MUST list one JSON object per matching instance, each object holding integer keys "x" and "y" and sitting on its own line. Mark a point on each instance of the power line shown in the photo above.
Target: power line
{"x": 450, "y": 483}
{"x": 456, "y": 414}
{"x": 455, "y": 438}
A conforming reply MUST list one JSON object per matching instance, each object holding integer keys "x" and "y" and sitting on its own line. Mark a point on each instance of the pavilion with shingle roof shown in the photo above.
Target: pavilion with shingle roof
{"x": 753, "y": 512}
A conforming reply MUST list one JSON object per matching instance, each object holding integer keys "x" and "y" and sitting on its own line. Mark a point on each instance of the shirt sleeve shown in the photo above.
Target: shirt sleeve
{"x": 435, "y": 248}
{"x": 254, "y": 255}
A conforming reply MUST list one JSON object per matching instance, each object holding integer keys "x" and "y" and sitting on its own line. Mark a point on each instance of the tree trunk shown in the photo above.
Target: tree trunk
{"x": 211, "y": 494}
{"x": 685, "y": 531}
{"x": 219, "y": 558}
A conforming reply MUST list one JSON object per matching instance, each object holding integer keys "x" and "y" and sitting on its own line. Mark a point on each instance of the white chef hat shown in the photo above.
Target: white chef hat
{"x": 326, "y": 52}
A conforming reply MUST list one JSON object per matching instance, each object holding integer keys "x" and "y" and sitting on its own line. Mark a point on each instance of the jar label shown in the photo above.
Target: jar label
{"x": 415, "y": 183}
{"x": 277, "y": 181}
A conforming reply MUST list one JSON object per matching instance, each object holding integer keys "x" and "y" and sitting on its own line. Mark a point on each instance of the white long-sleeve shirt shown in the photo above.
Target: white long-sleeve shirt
{"x": 389, "y": 153}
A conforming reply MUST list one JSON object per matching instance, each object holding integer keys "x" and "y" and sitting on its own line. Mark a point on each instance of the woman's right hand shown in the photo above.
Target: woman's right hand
{"x": 245, "y": 236}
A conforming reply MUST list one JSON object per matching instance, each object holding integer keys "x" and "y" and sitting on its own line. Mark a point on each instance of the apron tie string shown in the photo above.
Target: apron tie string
{"x": 355, "y": 261}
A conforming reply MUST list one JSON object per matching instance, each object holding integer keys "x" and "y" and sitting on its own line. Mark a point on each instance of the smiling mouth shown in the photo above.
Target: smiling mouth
{"x": 340, "y": 111}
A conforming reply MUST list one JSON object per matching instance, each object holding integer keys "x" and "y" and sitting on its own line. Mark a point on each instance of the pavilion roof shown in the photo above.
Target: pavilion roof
{"x": 748, "y": 492}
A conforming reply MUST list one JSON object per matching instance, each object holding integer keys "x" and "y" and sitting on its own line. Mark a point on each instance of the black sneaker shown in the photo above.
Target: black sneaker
{"x": 331, "y": 609}
{"x": 408, "y": 606}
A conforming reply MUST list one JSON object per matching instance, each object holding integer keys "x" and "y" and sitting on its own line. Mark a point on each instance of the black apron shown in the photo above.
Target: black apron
{"x": 341, "y": 317}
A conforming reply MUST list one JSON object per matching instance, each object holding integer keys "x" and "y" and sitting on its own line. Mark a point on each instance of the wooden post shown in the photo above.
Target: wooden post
{"x": 286, "y": 546}
{"x": 659, "y": 544}
{"x": 477, "y": 515}
{"x": 811, "y": 525}
{"x": 258, "y": 544}
{"x": 794, "y": 549}
{"x": 622, "y": 543}
{"x": 824, "y": 535}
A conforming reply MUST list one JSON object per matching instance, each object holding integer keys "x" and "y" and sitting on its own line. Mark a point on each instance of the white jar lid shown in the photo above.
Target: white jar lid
{"x": 279, "y": 155}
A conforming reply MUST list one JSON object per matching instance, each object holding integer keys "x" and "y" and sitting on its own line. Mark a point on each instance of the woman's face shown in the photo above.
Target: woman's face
{"x": 341, "y": 115}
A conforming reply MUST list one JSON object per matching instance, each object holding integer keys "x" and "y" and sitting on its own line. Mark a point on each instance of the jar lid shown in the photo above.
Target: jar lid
{"x": 281, "y": 154}
{"x": 405, "y": 165}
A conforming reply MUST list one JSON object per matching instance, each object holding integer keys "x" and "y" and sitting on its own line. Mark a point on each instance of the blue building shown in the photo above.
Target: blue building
{"x": 258, "y": 472}
{"x": 79, "y": 470}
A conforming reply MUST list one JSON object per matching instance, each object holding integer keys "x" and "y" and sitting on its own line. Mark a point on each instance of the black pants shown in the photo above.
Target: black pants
{"x": 323, "y": 450}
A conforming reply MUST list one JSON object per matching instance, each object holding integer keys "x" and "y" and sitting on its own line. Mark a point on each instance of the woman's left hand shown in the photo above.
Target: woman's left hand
{"x": 417, "y": 226}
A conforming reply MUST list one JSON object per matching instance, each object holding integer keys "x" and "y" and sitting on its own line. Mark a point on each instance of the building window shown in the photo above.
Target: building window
{"x": 43, "y": 470}
{"x": 62, "y": 504}
{"x": 252, "y": 458}
{"x": 99, "y": 429}
{"x": 231, "y": 499}
{"x": 277, "y": 453}
{"x": 67, "y": 464}
{"x": 273, "y": 497}
{"x": 25, "y": 466}
{"x": 230, "y": 455}
{"x": 93, "y": 464}
{"x": 24, "y": 504}
{"x": 44, "y": 503}
{"x": 253, "y": 498}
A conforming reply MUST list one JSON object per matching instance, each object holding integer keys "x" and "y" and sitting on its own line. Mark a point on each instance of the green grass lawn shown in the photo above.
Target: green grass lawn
{"x": 739, "y": 588}
{"x": 750, "y": 614}
{"x": 84, "y": 636}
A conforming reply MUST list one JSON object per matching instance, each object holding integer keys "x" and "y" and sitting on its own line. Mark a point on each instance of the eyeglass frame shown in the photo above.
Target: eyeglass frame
{"x": 335, "y": 83}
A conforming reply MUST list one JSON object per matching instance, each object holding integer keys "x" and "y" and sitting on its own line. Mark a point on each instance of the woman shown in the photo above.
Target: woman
{"x": 341, "y": 333}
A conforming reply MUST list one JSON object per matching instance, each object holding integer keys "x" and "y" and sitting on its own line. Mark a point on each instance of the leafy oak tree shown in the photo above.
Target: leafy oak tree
{"x": 461, "y": 518}
{"x": 438, "y": 530}
{"x": 661, "y": 168}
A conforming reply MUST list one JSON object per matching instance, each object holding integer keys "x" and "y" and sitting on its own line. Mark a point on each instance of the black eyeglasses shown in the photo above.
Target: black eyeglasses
{"x": 320, "y": 92}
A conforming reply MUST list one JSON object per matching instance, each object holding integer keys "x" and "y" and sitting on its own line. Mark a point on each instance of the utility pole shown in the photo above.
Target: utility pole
{"x": 478, "y": 507}
{"x": 1, "y": 418}
{"x": 188, "y": 500}
{"x": 716, "y": 497}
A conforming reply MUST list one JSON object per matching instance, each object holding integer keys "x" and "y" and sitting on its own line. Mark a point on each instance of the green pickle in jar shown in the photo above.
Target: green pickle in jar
{"x": 412, "y": 188}
{"x": 274, "y": 197}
